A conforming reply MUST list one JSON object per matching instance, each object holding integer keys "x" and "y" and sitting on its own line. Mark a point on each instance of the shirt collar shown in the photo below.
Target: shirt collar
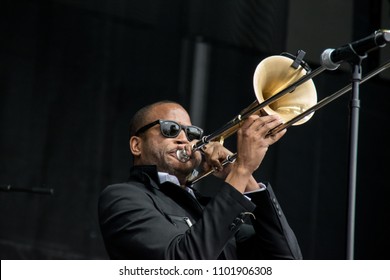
{"x": 165, "y": 177}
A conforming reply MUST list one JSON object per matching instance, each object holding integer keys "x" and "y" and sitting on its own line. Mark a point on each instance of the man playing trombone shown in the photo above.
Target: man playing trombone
{"x": 155, "y": 215}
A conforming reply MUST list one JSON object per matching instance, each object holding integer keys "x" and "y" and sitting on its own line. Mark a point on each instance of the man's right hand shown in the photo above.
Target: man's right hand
{"x": 252, "y": 145}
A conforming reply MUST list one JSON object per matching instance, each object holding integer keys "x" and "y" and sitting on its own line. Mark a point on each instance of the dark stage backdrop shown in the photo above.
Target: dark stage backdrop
{"x": 72, "y": 73}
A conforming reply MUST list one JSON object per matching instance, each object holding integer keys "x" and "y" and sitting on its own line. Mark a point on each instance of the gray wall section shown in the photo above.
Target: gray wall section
{"x": 316, "y": 25}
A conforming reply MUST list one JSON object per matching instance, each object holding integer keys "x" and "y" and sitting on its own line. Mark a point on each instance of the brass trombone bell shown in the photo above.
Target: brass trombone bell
{"x": 275, "y": 73}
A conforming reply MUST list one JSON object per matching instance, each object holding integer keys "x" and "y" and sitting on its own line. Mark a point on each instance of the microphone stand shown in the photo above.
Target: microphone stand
{"x": 354, "y": 53}
{"x": 9, "y": 188}
{"x": 356, "y": 64}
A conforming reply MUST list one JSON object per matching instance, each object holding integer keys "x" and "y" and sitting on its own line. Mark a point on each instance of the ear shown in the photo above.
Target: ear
{"x": 135, "y": 144}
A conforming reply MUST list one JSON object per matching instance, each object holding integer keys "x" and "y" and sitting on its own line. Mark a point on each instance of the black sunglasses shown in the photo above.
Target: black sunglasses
{"x": 171, "y": 129}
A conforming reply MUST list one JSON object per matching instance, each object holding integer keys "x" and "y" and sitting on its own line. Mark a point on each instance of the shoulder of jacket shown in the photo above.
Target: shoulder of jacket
{"x": 131, "y": 186}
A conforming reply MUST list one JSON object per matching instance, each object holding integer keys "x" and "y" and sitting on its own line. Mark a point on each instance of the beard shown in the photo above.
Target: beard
{"x": 166, "y": 161}
{"x": 177, "y": 168}
{"x": 182, "y": 170}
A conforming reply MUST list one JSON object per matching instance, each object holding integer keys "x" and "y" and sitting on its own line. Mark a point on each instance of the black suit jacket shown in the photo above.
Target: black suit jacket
{"x": 143, "y": 219}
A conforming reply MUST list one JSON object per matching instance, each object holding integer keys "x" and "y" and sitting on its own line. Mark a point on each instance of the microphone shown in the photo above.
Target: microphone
{"x": 331, "y": 58}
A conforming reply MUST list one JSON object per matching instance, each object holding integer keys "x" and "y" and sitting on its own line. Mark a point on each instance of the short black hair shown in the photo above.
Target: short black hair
{"x": 139, "y": 117}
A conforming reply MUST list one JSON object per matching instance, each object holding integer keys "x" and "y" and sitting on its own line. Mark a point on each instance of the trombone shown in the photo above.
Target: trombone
{"x": 270, "y": 78}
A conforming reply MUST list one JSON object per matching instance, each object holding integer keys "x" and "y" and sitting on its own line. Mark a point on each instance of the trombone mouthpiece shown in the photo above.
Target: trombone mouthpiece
{"x": 182, "y": 155}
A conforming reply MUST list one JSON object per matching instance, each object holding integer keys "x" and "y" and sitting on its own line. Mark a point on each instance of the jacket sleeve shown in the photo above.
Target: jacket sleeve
{"x": 273, "y": 237}
{"x": 134, "y": 227}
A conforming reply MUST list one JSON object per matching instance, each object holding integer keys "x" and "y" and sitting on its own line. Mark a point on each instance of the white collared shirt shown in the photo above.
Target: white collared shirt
{"x": 166, "y": 177}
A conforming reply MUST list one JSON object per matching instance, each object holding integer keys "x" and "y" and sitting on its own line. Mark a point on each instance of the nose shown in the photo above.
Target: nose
{"x": 182, "y": 137}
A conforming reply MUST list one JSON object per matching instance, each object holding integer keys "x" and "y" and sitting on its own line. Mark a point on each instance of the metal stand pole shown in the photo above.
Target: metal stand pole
{"x": 353, "y": 151}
